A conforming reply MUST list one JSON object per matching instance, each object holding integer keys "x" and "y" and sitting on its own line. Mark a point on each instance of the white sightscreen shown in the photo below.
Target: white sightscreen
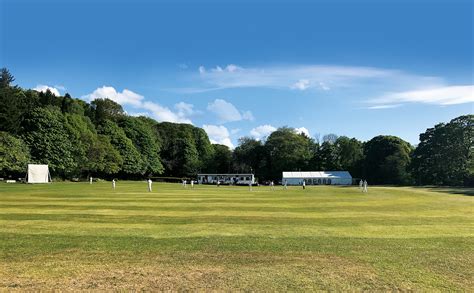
{"x": 38, "y": 173}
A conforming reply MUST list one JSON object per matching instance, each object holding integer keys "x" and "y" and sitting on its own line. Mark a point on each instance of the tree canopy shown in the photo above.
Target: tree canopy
{"x": 77, "y": 138}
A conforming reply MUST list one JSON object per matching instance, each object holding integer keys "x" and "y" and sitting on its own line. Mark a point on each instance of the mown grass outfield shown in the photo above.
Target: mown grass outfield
{"x": 81, "y": 236}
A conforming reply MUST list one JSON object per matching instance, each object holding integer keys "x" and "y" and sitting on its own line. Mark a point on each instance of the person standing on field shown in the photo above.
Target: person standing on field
{"x": 286, "y": 184}
{"x": 361, "y": 184}
{"x": 90, "y": 180}
{"x": 149, "y": 185}
{"x": 272, "y": 185}
{"x": 365, "y": 185}
{"x": 304, "y": 184}
{"x": 113, "y": 184}
{"x": 192, "y": 184}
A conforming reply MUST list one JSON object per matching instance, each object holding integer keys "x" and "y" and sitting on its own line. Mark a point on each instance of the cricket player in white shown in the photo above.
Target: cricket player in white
{"x": 113, "y": 184}
{"x": 149, "y": 185}
{"x": 286, "y": 184}
{"x": 361, "y": 185}
{"x": 192, "y": 183}
{"x": 365, "y": 185}
{"x": 250, "y": 186}
{"x": 90, "y": 180}
{"x": 304, "y": 184}
{"x": 272, "y": 185}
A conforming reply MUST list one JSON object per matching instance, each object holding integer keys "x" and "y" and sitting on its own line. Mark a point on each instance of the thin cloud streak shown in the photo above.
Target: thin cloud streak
{"x": 447, "y": 95}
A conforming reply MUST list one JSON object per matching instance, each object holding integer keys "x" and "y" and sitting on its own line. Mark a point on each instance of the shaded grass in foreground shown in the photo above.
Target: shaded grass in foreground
{"x": 76, "y": 236}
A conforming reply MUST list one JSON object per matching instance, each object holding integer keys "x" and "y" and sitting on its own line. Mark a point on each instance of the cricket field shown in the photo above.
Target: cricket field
{"x": 76, "y": 236}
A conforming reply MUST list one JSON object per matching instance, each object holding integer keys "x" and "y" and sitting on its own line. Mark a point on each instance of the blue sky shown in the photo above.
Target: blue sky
{"x": 355, "y": 68}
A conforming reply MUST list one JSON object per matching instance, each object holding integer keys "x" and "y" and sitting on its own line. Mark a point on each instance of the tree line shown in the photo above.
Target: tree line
{"x": 80, "y": 139}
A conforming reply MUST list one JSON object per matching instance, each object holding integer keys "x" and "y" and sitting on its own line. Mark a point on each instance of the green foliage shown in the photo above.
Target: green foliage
{"x": 14, "y": 154}
{"x": 445, "y": 155}
{"x": 15, "y": 103}
{"x": 287, "y": 151}
{"x": 221, "y": 161}
{"x": 250, "y": 156}
{"x": 350, "y": 155}
{"x": 145, "y": 141}
{"x": 185, "y": 151}
{"x": 386, "y": 160}
{"x": 49, "y": 141}
{"x": 5, "y": 78}
{"x": 104, "y": 109}
{"x": 103, "y": 157}
{"x": 132, "y": 160}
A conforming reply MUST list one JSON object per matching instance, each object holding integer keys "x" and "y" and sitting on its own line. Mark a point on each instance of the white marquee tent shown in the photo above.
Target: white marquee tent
{"x": 318, "y": 177}
{"x": 38, "y": 174}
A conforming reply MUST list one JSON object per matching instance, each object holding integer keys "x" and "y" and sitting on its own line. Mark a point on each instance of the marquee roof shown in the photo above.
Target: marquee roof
{"x": 317, "y": 174}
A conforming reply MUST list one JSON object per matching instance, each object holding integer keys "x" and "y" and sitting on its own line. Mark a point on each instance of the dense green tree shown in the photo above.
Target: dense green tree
{"x": 47, "y": 98}
{"x": 132, "y": 160}
{"x": 328, "y": 156}
{"x": 144, "y": 140}
{"x": 49, "y": 141}
{"x": 184, "y": 151}
{"x": 14, "y": 155}
{"x": 249, "y": 156}
{"x": 386, "y": 160}
{"x": 287, "y": 151}
{"x": 15, "y": 103}
{"x": 204, "y": 148}
{"x": 350, "y": 155}
{"x": 100, "y": 110}
{"x": 445, "y": 154}
{"x": 5, "y": 78}
{"x": 221, "y": 161}
{"x": 104, "y": 159}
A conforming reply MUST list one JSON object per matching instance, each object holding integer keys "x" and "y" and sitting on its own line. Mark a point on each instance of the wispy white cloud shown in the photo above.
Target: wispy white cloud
{"x": 302, "y": 130}
{"x": 301, "y": 85}
{"x": 262, "y": 131}
{"x": 218, "y": 134}
{"x": 388, "y": 106}
{"x": 227, "y": 112}
{"x": 43, "y": 88}
{"x": 446, "y": 95}
{"x": 126, "y": 97}
{"x": 183, "y": 112}
{"x": 161, "y": 113}
{"x": 302, "y": 77}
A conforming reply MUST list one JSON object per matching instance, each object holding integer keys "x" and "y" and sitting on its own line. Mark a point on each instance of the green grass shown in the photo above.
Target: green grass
{"x": 81, "y": 236}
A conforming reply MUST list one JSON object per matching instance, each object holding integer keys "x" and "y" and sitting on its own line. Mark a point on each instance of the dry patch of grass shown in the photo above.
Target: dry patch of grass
{"x": 194, "y": 271}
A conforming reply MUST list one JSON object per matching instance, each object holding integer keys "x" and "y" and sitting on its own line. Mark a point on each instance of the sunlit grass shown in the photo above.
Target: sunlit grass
{"x": 81, "y": 236}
